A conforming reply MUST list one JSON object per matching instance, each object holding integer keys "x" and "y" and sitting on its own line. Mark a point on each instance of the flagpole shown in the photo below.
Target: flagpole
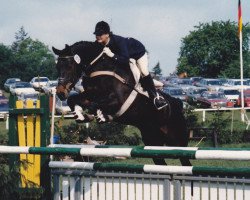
{"x": 241, "y": 79}
{"x": 241, "y": 60}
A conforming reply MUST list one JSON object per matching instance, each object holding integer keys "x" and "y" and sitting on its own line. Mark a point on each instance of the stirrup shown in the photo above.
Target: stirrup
{"x": 158, "y": 97}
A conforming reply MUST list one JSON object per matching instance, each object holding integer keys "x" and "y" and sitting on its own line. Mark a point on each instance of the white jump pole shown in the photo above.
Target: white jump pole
{"x": 52, "y": 127}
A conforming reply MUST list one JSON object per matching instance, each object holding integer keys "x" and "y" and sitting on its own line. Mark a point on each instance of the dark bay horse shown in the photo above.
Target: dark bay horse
{"x": 112, "y": 87}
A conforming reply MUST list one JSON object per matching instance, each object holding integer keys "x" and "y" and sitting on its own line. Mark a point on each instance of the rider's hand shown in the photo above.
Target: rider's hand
{"x": 108, "y": 52}
{"x": 100, "y": 117}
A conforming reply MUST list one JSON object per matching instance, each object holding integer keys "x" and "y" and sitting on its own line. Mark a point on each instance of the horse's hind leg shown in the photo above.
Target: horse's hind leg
{"x": 155, "y": 139}
{"x": 159, "y": 161}
{"x": 185, "y": 162}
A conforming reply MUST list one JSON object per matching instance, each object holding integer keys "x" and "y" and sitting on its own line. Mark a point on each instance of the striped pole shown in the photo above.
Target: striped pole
{"x": 185, "y": 170}
{"x": 142, "y": 152}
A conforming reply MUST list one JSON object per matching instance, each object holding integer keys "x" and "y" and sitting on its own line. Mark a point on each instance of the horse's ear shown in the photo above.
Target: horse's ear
{"x": 56, "y": 51}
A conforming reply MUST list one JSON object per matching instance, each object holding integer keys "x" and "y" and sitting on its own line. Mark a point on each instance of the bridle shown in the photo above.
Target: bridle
{"x": 61, "y": 80}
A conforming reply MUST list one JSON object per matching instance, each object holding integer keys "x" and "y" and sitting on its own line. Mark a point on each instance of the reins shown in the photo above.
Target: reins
{"x": 93, "y": 61}
{"x": 109, "y": 73}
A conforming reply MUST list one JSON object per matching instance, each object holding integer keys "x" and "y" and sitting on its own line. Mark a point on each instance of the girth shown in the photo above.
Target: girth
{"x": 130, "y": 98}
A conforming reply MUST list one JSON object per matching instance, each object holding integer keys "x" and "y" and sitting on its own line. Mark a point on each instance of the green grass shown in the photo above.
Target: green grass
{"x": 3, "y": 131}
{"x": 176, "y": 162}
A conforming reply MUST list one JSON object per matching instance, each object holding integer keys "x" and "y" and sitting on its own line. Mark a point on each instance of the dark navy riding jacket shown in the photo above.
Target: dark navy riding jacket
{"x": 125, "y": 48}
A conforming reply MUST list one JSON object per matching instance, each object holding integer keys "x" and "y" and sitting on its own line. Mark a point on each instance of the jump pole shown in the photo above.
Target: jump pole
{"x": 138, "y": 152}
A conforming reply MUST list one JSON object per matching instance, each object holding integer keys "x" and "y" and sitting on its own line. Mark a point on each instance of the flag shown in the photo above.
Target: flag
{"x": 239, "y": 18}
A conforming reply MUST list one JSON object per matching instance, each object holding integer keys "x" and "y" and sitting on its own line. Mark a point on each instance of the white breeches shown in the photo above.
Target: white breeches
{"x": 142, "y": 64}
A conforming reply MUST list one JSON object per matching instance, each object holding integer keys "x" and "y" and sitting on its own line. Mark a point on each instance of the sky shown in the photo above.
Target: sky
{"x": 159, "y": 24}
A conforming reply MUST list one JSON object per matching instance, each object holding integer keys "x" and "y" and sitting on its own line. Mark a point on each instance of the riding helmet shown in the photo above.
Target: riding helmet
{"x": 102, "y": 28}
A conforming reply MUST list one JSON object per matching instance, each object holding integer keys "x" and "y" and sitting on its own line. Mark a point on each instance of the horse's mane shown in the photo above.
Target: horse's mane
{"x": 88, "y": 51}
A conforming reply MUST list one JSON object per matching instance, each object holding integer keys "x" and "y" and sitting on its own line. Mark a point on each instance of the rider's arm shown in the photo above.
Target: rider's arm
{"x": 120, "y": 47}
{"x": 123, "y": 56}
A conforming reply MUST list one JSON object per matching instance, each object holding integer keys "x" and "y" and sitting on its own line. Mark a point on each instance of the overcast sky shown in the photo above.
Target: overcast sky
{"x": 158, "y": 24}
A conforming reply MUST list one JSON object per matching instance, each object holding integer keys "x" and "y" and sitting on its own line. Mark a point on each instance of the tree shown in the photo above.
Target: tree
{"x": 6, "y": 64}
{"x": 157, "y": 69}
{"x": 32, "y": 57}
{"x": 212, "y": 50}
{"x": 20, "y": 36}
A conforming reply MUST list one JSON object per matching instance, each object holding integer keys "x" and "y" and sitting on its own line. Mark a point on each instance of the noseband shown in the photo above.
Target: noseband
{"x": 62, "y": 80}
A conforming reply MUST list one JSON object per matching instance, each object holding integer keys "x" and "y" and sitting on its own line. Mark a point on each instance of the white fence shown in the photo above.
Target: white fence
{"x": 243, "y": 116}
{"x": 95, "y": 185}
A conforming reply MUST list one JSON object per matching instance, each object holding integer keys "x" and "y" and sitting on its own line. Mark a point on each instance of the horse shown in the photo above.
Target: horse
{"x": 111, "y": 86}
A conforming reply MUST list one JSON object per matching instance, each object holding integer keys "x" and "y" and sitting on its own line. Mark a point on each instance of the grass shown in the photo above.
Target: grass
{"x": 3, "y": 131}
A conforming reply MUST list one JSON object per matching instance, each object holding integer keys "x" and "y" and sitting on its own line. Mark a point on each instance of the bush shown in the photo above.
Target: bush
{"x": 191, "y": 117}
{"x": 113, "y": 133}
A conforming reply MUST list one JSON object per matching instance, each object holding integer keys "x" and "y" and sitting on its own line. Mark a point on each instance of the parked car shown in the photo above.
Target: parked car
{"x": 246, "y": 94}
{"x": 29, "y": 96}
{"x": 21, "y": 87}
{"x": 4, "y": 107}
{"x": 210, "y": 84}
{"x": 38, "y": 82}
{"x": 236, "y": 84}
{"x": 9, "y": 82}
{"x": 195, "y": 80}
{"x": 213, "y": 99}
{"x": 231, "y": 94}
{"x": 194, "y": 93}
{"x": 180, "y": 81}
{"x": 47, "y": 89}
{"x": 183, "y": 83}
{"x": 62, "y": 107}
{"x": 176, "y": 92}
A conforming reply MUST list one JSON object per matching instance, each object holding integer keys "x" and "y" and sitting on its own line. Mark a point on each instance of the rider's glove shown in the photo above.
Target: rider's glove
{"x": 108, "y": 52}
{"x": 100, "y": 117}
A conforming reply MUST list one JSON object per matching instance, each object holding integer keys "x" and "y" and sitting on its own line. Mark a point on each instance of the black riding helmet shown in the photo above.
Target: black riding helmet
{"x": 101, "y": 28}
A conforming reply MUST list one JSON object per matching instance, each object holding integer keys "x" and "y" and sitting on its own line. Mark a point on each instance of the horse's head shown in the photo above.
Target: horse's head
{"x": 72, "y": 60}
{"x": 68, "y": 69}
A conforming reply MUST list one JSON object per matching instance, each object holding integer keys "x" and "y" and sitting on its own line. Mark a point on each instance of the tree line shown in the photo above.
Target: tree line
{"x": 26, "y": 58}
{"x": 212, "y": 50}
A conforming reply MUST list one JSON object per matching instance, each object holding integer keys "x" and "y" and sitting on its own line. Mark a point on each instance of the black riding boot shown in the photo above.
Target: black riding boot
{"x": 148, "y": 85}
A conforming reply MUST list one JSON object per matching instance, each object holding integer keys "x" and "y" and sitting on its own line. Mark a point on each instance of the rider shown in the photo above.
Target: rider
{"x": 121, "y": 49}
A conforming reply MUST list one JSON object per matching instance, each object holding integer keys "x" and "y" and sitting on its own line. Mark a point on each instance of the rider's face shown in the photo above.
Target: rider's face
{"x": 103, "y": 39}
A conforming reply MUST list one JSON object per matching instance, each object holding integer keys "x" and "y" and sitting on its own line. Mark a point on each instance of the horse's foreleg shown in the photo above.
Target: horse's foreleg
{"x": 77, "y": 103}
{"x": 102, "y": 117}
